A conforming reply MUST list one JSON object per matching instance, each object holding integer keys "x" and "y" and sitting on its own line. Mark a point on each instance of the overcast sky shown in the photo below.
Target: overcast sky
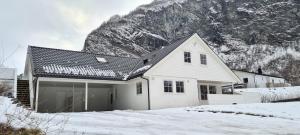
{"x": 60, "y": 24}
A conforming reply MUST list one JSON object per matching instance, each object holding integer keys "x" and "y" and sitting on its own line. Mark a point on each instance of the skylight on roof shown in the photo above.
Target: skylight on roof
{"x": 102, "y": 60}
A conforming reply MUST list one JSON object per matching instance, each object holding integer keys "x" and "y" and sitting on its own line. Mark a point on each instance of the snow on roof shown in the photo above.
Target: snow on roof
{"x": 102, "y": 60}
{"x": 77, "y": 70}
{"x": 142, "y": 69}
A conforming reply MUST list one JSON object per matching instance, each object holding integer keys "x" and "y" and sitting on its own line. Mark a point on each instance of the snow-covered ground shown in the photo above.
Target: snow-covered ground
{"x": 285, "y": 119}
{"x": 274, "y": 94}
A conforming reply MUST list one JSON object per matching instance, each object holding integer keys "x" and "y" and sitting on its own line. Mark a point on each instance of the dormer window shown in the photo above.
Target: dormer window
{"x": 101, "y": 60}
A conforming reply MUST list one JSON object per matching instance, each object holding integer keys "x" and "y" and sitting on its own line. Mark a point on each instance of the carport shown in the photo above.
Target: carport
{"x": 71, "y": 95}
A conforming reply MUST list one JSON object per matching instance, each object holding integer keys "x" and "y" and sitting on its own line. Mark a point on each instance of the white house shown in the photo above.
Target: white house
{"x": 181, "y": 74}
{"x": 260, "y": 80}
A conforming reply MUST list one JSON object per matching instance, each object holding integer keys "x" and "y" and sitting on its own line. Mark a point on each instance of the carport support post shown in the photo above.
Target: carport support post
{"x": 37, "y": 95}
{"x": 86, "y": 96}
{"x": 232, "y": 88}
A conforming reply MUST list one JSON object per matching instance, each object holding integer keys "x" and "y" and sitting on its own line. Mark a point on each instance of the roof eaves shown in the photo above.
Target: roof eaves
{"x": 78, "y": 77}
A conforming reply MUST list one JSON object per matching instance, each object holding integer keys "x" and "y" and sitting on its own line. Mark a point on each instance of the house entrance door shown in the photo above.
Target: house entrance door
{"x": 202, "y": 93}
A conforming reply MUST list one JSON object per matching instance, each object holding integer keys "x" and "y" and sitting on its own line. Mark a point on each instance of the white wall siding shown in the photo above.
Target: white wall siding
{"x": 173, "y": 65}
{"x": 173, "y": 68}
{"x": 28, "y": 76}
{"x": 160, "y": 99}
{"x": 126, "y": 96}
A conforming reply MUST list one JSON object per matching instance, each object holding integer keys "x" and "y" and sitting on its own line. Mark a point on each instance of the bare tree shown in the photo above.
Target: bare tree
{"x": 21, "y": 121}
{"x": 4, "y": 57}
{"x": 4, "y": 87}
{"x": 292, "y": 72}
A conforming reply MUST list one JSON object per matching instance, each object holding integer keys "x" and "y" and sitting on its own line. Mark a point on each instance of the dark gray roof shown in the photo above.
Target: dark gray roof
{"x": 65, "y": 64}
{"x": 48, "y": 62}
{"x": 155, "y": 56}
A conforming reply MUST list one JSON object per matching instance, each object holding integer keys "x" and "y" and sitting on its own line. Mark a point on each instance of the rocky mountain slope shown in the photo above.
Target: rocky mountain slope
{"x": 245, "y": 33}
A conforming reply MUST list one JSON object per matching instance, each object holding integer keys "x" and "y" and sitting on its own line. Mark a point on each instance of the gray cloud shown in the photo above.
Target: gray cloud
{"x": 56, "y": 24}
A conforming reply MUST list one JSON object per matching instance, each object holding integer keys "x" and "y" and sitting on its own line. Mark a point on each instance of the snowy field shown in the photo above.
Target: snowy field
{"x": 272, "y": 118}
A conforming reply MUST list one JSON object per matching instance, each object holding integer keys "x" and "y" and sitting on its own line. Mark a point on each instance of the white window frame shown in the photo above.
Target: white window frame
{"x": 139, "y": 88}
{"x": 209, "y": 90}
{"x": 187, "y": 59}
{"x": 181, "y": 88}
{"x": 202, "y": 54}
{"x": 168, "y": 86}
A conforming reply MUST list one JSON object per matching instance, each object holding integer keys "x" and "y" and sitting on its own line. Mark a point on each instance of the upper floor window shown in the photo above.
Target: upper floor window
{"x": 179, "y": 86}
{"x": 168, "y": 86}
{"x": 139, "y": 89}
{"x": 187, "y": 57}
{"x": 203, "y": 59}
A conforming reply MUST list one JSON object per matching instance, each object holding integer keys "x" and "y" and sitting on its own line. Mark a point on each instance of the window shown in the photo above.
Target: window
{"x": 227, "y": 90}
{"x": 139, "y": 88}
{"x": 203, "y": 59}
{"x": 212, "y": 90}
{"x": 168, "y": 86}
{"x": 245, "y": 80}
{"x": 180, "y": 87}
{"x": 187, "y": 57}
{"x": 203, "y": 89}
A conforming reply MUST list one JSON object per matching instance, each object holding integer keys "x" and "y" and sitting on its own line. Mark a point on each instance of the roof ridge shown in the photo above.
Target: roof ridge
{"x": 171, "y": 43}
{"x": 31, "y": 46}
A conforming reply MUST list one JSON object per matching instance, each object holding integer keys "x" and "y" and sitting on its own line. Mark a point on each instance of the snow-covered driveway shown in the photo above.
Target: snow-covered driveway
{"x": 177, "y": 121}
{"x": 286, "y": 120}
{"x": 180, "y": 121}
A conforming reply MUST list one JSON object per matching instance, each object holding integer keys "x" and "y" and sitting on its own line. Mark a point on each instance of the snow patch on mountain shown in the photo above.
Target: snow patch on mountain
{"x": 157, "y": 5}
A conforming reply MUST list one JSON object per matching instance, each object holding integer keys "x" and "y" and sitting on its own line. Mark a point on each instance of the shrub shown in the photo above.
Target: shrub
{"x": 4, "y": 87}
{"x": 6, "y": 129}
